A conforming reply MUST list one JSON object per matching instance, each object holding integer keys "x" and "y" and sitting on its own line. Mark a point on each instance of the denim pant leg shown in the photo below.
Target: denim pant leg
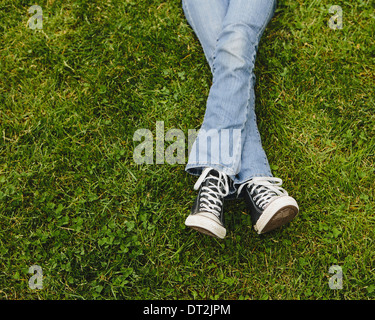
{"x": 206, "y": 18}
{"x": 230, "y": 105}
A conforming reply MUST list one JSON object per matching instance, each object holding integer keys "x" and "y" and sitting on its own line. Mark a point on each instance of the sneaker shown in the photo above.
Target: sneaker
{"x": 270, "y": 205}
{"x": 207, "y": 212}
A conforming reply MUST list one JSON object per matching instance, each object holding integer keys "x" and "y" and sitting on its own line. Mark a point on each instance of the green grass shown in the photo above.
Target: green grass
{"x": 73, "y": 201}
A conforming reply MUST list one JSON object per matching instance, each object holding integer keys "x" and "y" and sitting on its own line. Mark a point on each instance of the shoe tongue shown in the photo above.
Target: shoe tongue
{"x": 212, "y": 181}
{"x": 261, "y": 189}
{"x": 214, "y": 173}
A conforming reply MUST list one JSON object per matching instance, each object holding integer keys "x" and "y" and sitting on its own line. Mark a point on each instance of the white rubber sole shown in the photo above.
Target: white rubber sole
{"x": 279, "y": 212}
{"x": 206, "y": 223}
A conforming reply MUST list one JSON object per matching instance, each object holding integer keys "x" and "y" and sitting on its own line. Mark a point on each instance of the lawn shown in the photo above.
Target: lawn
{"x": 101, "y": 226}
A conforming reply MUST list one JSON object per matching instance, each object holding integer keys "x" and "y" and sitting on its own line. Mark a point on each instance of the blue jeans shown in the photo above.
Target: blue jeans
{"x": 229, "y": 32}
